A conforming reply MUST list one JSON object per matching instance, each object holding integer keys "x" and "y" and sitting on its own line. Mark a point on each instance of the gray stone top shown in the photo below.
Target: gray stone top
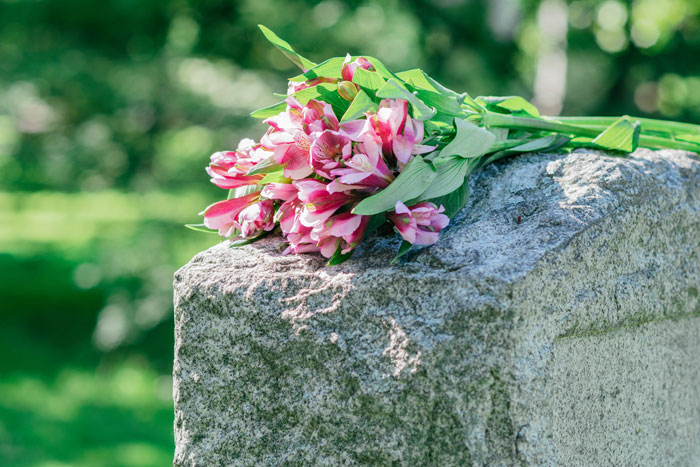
{"x": 449, "y": 356}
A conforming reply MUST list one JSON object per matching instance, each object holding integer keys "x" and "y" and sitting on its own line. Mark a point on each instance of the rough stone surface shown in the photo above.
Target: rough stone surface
{"x": 557, "y": 322}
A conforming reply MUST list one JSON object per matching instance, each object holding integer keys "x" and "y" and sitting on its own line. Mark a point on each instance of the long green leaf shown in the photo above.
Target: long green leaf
{"x": 201, "y": 228}
{"x": 623, "y": 135}
{"x": 470, "y": 141}
{"x": 394, "y": 89}
{"x": 370, "y": 81}
{"x": 338, "y": 257}
{"x": 265, "y": 166}
{"x": 514, "y": 104}
{"x": 327, "y": 69}
{"x": 544, "y": 143}
{"x": 286, "y": 49}
{"x": 403, "y": 249}
{"x": 269, "y": 111}
{"x": 361, "y": 104}
{"x": 327, "y": 92}
{"x": 455, "y": 201}
{"x": 410, "y": 184}
{"x": 451, "y": 175}
{"x": 443, "y": 104}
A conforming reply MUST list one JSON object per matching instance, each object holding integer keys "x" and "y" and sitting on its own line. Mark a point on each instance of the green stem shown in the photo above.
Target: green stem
{"x": 597, "y": 125}
{"x": 649, "y": 124}
{"x": 526, "y": 123}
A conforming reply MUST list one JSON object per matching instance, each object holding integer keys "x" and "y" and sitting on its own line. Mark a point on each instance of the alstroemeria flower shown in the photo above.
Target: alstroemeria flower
{"x": 318, "y": 203}
{"x": 366, "y": 169}
{"x": 256, "y": 218}
{"x": 419, "y": 224}
{"x": 228, "y": 168}
{"x": 223, "y": 215}
{"x": 328, "y": 151}
{"x": 400, "y": 134}
{"x": 350, "y": 65}
{"x": 342, "y": 231}
{"x": 291, "y": 132}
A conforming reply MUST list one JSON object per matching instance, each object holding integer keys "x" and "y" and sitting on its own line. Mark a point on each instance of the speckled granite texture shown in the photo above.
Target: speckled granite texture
{"x": 557, "y": 322}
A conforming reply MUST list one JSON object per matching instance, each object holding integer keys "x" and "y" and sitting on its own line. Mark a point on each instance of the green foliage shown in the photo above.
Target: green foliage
{"x": 623, "y": 135}
{"x": 411, "y": 183}
{"x": 469, "y": 142}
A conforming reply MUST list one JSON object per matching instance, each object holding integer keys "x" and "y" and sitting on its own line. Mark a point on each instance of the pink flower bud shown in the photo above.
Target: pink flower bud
{"x": 349, "y": 66}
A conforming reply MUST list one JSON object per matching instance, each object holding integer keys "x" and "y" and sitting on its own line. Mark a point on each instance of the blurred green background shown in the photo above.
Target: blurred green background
{"x": 109, "y": 111}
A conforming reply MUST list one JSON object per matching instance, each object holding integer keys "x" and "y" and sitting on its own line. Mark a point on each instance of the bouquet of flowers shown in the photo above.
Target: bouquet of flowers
{"x": 354, "y": 147}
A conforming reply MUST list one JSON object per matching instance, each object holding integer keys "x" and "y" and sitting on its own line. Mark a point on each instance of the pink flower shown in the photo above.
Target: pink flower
{"x": 228, "y": 168}
{"x": 349, "y": 66}
{"x": 421, "y": 223}
{"x": 256, "y": 218}
{"x": 342, "y": 231}
{"x": 222, "y": 216}
{"x": 393, "y": 129}
{"x": 400, "y": 134}
{"x": 283, "y": 191}
{"x": 366, "y": 169}
{"x": 293, "y": 131}
{"x": 318, "y": 203}
{"x": 328, "y": 151}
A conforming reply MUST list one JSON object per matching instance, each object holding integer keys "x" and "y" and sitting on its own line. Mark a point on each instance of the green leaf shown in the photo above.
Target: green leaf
{"x": 265, "y": 166}
{"x": 443, "y": 104}
{"x": 286, "y": 49}
{"x": 451, "y": 176}
{"x": 243, "y": 191}
{"x": 370, "y": 81}
{"x": 274, "y": 177}
{"x": 330, "y": 68}
{"x": 403, "y": 249}
{"x": 361, "y": 104}
{"x": 269, "y": 111}
{"x": 514, "y": 104}
{"x": 381, "y": 68}
{"x": 201, "y": 228}
{"x": 622, "y": 135}
{"x": 338, "y": 257}
{"x": 327, "y": 92}
{"x": 418, "y": 79}
{"x": 455, "y": 201}
{"x": 411, "y": 183}
{"x": 393, "y": 89}
{"x": 470, "y": 141}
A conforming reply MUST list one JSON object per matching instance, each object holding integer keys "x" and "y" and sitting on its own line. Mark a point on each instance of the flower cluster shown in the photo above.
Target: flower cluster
{"x": 355, "y": 146}
{"x": 324, "y": 169}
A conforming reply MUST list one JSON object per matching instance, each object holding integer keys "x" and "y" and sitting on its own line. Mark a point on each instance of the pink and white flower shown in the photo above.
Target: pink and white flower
{"x": 223, "y": 215}
{"x": 256, "y": 218}
{"x": 343, "y": 231}
{"x": 328, "y": 151}
{"x": 292, "y": 132}
{"x": 228, "y": 169}
{"x": 318, "y": 203}
{"x": 419, "y": 224}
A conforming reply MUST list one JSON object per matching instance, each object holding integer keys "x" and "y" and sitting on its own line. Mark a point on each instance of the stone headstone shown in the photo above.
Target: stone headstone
{"x": 556, "y": 322}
